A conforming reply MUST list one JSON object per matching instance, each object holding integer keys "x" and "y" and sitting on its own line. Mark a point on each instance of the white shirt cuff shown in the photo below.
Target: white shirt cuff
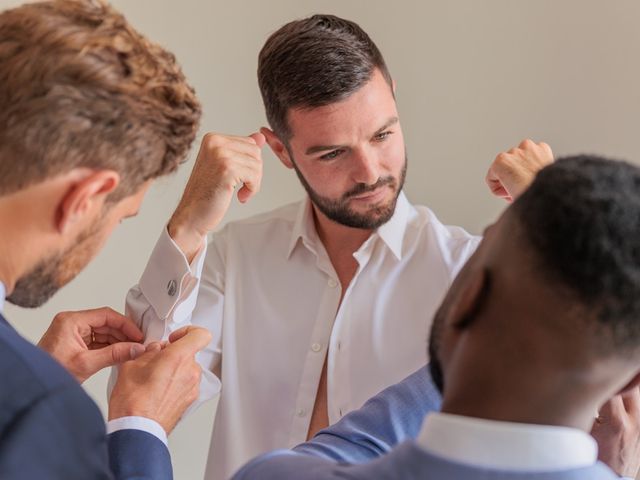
{"x": 168, "y": 273}
{"x": 138, "y": 423}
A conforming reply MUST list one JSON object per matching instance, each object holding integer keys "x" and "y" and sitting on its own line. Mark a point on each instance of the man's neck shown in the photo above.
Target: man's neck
{"x": 340, "y": 242}
{"x": 17, "y": 253}
{"x": 541, "y": 402}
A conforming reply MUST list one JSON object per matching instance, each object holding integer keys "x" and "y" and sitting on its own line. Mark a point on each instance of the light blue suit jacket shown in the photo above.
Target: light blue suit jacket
{"x": 376, "y": 442}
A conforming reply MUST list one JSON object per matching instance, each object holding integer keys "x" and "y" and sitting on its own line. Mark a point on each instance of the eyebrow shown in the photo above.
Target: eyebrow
{"x": 324, "y": 148}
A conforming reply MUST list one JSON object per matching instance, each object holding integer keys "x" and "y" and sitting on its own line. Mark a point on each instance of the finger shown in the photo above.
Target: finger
{"x": 631, "y": 401}
{"x": 95, "y": 360}
{"x": 106, "y": 339}
{"x": 154, "y": 347}
{"x": 113, "y": 332}
{"x": 266, "y": 132}
{"x": 259, "y": 138}
{"x": 181, "y": 332}
{"x": 251, "y": 177}
{"x": 215, "y": 139}
{"x": 248, "y": 190}
{"x": 247, "y": 148}
{"x": 614, "y": 408}
{"x": 546, "y": 148}
{"x": 105, "y": 316}
{"x": 189, "y": 339}
{"x": 526, "y": 144}
{"x": 495, "y": 185}
{"x": 498, "y": 189}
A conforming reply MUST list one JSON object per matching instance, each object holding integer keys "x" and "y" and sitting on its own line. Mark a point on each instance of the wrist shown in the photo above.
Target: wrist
{"x": 116, "y": 411}
{"x": 188, "y": 238}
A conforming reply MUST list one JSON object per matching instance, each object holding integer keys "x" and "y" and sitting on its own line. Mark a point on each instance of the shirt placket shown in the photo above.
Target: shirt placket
{"x": 342, "y": 345}
{"x": 316, "y": 353}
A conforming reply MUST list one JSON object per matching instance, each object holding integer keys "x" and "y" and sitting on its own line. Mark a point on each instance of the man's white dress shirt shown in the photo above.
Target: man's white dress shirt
{"x": 266, "y": 289}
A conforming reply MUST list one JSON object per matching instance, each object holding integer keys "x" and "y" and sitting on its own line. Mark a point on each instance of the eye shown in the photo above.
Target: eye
{"x": 332, "y": 155}
{"x": 380, "y": 137}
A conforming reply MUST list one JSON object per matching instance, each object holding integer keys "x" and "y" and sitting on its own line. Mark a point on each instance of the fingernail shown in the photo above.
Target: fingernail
{"x": 137, "y": 350}
{"x": 154, "y": 347}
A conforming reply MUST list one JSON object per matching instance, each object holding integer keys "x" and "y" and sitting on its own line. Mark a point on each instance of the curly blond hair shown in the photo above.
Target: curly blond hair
{"x": 80, "y": 87}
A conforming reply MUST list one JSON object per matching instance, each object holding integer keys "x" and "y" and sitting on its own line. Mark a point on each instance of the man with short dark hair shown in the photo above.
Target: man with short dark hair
{"x": 315, "y": 306}
{"x": 540, "y": 329}
{"x": 90, "y": 113}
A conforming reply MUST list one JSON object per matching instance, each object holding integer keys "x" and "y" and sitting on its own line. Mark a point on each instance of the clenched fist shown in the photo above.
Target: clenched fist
{"x": 224, "y": 163}
{"x": 513, "y": 171}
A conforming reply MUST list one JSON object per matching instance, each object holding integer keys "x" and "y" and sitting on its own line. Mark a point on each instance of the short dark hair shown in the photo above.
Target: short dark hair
{"x": 582, "y": 217}
{"x": 314, "y": 62}
{"x": 79, "y": 87}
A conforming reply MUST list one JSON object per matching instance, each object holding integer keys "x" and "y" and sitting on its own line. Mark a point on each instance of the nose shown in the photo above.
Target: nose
{"x": 365, "y": 167}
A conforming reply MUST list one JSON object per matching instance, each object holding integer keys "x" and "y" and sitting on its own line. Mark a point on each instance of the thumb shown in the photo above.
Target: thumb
{"x": 259, "y": 139}
{"x": 191, "y": 339}
{"x": 96, "y": 360}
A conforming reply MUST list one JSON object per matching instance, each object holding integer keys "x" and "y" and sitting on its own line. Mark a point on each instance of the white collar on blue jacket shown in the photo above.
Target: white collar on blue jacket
{"x": 506, "y": 446}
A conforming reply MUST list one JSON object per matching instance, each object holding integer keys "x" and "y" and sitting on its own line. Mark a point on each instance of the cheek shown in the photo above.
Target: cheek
{"x": 329, "y": 179}
{"x": 394, "y": 155}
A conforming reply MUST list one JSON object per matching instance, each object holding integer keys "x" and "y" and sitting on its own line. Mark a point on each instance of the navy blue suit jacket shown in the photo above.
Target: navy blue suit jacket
{"x": 51, "y": 429}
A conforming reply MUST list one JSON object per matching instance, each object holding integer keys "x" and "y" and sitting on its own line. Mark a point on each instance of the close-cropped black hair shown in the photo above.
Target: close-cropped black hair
{"x": 581, "y": 215}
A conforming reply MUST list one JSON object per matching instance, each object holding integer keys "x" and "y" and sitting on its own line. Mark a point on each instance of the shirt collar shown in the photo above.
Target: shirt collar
{"x": 391, "y": 233}
{"x": 505, "y": 445}
{"x": 303, "y": 227}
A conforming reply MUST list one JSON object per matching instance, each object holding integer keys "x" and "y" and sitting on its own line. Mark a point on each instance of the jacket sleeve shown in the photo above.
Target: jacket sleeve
{"x": 404, "y": 462}
{"x": 138, "y": 455}
{"x": 384, "y": 421}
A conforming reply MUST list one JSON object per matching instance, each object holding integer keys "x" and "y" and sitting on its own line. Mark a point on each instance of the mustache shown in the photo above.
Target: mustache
{"x": 361, "y": 188}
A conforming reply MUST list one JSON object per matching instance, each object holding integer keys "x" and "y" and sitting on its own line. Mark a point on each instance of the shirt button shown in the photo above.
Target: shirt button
{"x": 340, "y": 412}
{"x": 332, "y": 283}
{"x": 316, "y": 347}
{"x": 171, "y": 288}
{"x": 301, "y": 412}
{"x": 339, "y": 345}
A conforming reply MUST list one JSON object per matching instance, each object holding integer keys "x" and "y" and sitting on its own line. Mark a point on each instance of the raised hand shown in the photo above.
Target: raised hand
{"x": 513, "y": 171}
{"x": 224, "y": 163}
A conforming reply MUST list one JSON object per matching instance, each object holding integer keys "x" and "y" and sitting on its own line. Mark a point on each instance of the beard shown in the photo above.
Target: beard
{"x": 339, "y": 210}
{"x": 38, "y": 285}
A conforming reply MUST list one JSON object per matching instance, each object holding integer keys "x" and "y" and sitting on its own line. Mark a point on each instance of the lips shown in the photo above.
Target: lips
{"x": 377, "y": 194}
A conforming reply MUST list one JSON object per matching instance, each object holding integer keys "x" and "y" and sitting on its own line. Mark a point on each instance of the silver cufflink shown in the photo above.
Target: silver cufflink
{"x": 171, "y": 288}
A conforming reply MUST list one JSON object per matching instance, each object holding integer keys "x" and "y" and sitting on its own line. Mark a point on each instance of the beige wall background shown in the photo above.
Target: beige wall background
{"x": 474, "y": 78}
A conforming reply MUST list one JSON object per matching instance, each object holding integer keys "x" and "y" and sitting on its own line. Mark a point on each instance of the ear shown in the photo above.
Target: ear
{"x": 633, "y": 383}
{"x": 278, "y": 147}
{"x": 471, "y": 298}
{"x": 83, "y": 196}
